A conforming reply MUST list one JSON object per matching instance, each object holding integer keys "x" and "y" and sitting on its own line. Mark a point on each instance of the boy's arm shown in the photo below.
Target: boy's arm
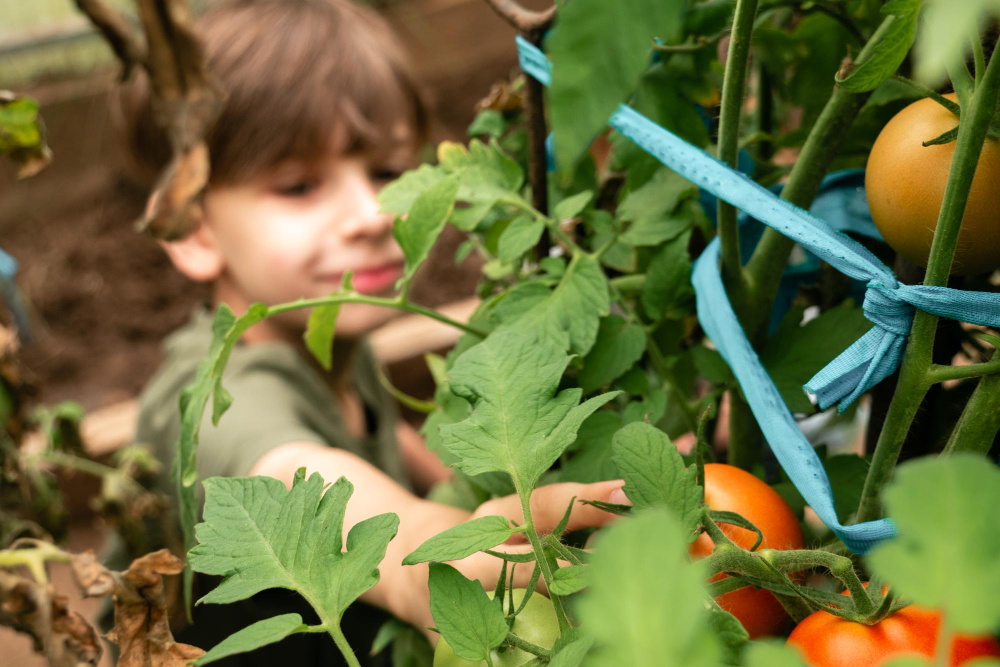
{"x": 402, "y": 590}
{"x": 423, "y": 467}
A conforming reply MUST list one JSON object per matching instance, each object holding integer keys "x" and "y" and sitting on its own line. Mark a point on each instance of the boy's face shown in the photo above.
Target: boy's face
{"x": 293, "y": 233}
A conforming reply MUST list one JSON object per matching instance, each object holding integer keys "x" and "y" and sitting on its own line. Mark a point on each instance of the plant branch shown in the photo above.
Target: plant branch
{"x": 977, "y": 427}
{"x": 527, "y": 646}
{"x": 692, "y": 47}
{"x": 942, "y": 373}
{"x": 912, "y": 385}
{"x": 733, "y": 85}
{"x": 117, "y": 31}
{"x": 541, "y": 559}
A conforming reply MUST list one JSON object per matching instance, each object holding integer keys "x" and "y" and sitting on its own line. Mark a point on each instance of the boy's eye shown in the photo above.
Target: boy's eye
{"x": 299, "y": 188}
{"x": 385, "y": 175}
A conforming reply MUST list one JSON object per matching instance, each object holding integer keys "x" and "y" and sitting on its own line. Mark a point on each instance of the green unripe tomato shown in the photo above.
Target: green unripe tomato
{"x": 536, "y": 623}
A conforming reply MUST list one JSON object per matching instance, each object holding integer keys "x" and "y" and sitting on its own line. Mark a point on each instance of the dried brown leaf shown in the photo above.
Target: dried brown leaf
{"x": 142, "y": 629}
{"x": 63, "y": 636}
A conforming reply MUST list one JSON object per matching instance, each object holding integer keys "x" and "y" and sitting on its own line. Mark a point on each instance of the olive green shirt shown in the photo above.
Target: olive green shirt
{"x": 279, "y": 397}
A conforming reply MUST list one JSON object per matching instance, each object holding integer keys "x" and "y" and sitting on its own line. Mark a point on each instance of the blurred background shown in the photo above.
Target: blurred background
{"x": 100, "y": 295}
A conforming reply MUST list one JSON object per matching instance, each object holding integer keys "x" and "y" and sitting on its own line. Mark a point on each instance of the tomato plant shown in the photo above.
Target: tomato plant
{"x": 905, "y": 181}
{"x": 731, "y": 489}
{"x": 597, "y": 345}
{"x": 536, "y": 623}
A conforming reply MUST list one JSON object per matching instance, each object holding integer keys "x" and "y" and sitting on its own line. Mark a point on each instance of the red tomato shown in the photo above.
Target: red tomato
{"x": 830, "y": 641}
{"x": 732, "y": 489}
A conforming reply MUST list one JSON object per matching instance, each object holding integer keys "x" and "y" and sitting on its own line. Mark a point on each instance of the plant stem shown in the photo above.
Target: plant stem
{"x": 527, "y": 646}
{"x": 977, "y": 428}
{"x": 341, "y": 642}
{"x": 941, "y": 373}
{"x": 540, "y": 558}
{"x": 912, "y": 384}
{"x": 374, "y": 301}
{"x": 733, "y": 85}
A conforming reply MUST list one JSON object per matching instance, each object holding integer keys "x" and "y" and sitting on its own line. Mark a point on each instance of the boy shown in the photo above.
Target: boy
{"x": 321, "y": 112}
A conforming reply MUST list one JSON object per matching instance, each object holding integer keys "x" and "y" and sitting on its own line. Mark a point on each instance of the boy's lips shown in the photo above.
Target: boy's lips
{"x": 376, "y": 279}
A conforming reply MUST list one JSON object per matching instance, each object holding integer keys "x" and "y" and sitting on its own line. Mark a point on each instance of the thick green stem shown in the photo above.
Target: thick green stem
{"x": 527, "y": 646}
{"x": 541, "y": 559}
{"x": 341, "y": 642}
{"x": 733, "y": 85}
{"x": 979, "y": 424}
{"x": 913, "y": 375}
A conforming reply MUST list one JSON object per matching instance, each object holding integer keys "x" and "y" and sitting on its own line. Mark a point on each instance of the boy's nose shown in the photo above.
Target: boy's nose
{"x": 364, "y": 216}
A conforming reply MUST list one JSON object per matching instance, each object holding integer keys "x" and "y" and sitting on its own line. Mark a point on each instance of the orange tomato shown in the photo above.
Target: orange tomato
{"x": 732, "y": 489}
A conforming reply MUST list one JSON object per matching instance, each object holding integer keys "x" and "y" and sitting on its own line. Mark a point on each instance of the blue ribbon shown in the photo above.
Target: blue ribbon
{"x": 889, "y": 304}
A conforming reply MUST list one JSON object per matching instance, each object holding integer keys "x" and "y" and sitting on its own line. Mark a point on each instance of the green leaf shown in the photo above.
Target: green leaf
{"x": 592, "y": 460}
{"x": 520, "y": 236}
{"x": 22, "y": 137}
{"x": 417, "y": 232}
{"x": 322, "y": 327}
{"x": 793, "y": 354}
{"x": 655, "y": 475}
{"x": 617, "y": 348}
{"x": 207, "y": 384}
{"x": 649, "y": 209}
{"x": 464, "y": 614}
{"x": 261, "y": 633}
{"x": 489, "y": 122}
{"x": 645, "y": 604}
{"x": 568, "y": 580}
{"x": 598, "y": 51}
{"x": 398, "y": 196}
{"x": 711, "y": 365}
{"x": 568, "y": 316}
{"x": 771, "y": 654}
{"x": 732, "y": 635}
{"x": 667, "y": 291}
{"x": 944, "y": 35}
{"x": 571, "y": 653}
{"x": 650, "y": 409}
{"x": 519, "y": 425}
{"x": 890, "y": 51}
{"x": 258, "y": 535}
{"x": 462, "y": 540}
{"x": 945, "y": 555}
{"x": 572, "y": 206}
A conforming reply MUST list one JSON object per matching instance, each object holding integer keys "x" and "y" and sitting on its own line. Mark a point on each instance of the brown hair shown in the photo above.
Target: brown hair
{"x": 295, "y": 72}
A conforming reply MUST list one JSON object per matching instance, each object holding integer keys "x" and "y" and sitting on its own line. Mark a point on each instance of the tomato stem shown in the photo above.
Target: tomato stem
{"x": 527, "y": 646}
{"x": 541, "y": 559}
{"x": 979, "y": 423}
{"x": 914, "y": 370}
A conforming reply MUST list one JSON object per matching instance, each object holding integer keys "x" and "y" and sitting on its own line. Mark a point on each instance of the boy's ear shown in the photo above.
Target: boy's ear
{"x": 196, "y": 255}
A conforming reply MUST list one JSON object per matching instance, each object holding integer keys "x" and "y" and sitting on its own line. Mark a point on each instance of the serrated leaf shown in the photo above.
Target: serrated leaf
{"x": 464, "y": 614}
{"x": 645, "y": 604}
{"x": 519, "y": 425}
{"x": 617, "y": 348}
{"x": 520, "y": 236}
{"x": 945, "y": 554}
{"x": 667, "y": 291}
{"x": 207, "y": 384}
{"x": 649, "y": 209}
{"x": 463, "y": 540}
{"x": 322, "y": 327}
{"x": 261, "y": 633}
{"x": 793, "y": 354}
{"x": 417, "y": 232}
{"x": 771, "y": 654}
{"x": 598, "y": 52}
{"x": 568, "y": 580}
{"x": 591, "y": 461}
{"x": 890, "y": 51}
{"x": 257, "y": 535}
{"x": 569, "y": 315}
{"x": 572, "y": 206}
{"x": 655, "y": 475}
